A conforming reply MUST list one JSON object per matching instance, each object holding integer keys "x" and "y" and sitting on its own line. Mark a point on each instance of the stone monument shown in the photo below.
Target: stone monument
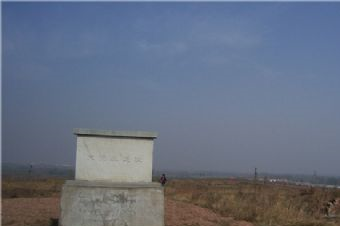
{"x": 113, "y": 181}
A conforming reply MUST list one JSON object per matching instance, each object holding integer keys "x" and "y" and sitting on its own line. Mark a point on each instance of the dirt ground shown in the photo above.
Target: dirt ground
{"x": 29, "y": 211}
{"x": 179, "y": 213}
{"x": 188, "y": 202}
{"x": 41, "y": 211}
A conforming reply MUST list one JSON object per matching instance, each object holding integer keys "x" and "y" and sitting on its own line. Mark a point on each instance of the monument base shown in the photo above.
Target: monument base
{"x": 93, "y": 203}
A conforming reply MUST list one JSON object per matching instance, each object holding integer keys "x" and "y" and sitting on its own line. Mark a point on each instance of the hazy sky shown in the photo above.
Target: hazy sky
{"x": 228, "y": 86}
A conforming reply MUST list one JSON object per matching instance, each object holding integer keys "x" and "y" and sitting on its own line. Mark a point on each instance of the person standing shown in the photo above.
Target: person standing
{"x": 163, "y": 179}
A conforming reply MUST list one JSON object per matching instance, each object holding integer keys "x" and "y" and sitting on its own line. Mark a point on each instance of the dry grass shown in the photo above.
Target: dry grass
{"x": 263, "y": 204}
{"x": 31, "y": 187}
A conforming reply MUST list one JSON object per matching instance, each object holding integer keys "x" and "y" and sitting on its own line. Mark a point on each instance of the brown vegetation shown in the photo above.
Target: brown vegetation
{"x": 30, "y": 187}
{"x": 201, "y": 202}
{"x": 262, "y": 204}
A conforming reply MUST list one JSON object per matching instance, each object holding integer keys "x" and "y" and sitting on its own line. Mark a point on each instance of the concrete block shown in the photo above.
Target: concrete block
{"x": 114, "y": 156}
{"x": 86, "y": 203}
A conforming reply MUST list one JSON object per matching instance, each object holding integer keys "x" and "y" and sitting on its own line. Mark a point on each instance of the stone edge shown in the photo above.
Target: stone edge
{"x": 105, "y": 184}
{"x": 109, "y": 133}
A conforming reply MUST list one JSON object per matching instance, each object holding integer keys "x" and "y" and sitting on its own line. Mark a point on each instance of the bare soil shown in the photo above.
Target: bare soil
{"x": 179, "y": 213}
{"x": 29, "y": 211}
{"x": 41, "y": 211}
{"x": 188, "y": 202}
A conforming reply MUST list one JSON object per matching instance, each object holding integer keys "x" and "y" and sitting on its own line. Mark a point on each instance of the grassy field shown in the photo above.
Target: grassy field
{"x": 13, "y": 187}
{"x": 260, "y": 204}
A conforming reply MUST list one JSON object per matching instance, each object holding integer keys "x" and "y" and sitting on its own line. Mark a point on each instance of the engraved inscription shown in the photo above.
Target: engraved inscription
{"x": 116, "y": 158}
{"x": 138, "y": 159}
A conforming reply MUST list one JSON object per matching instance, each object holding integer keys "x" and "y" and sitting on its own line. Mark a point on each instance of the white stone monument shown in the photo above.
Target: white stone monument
{"x": 113, "y": 182}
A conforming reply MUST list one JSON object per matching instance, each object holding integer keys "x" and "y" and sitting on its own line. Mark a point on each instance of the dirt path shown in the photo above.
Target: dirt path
{"x": 39, "y": 211}
{"x": 180, "y": 213}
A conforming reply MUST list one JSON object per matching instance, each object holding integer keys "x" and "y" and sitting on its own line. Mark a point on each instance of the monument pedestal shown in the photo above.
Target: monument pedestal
{"x": 87, "y": 203}
{"x": 113, "y": 182}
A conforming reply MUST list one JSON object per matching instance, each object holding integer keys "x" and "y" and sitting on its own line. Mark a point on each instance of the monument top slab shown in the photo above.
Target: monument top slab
{"x": 110, "y": 133}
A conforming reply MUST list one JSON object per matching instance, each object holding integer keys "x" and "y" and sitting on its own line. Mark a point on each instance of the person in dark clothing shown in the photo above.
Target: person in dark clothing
{"x": 163, "y": 179}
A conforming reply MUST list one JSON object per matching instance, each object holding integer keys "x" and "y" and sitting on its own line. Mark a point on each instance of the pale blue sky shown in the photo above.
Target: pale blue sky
{"x": 228, "y": 86}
